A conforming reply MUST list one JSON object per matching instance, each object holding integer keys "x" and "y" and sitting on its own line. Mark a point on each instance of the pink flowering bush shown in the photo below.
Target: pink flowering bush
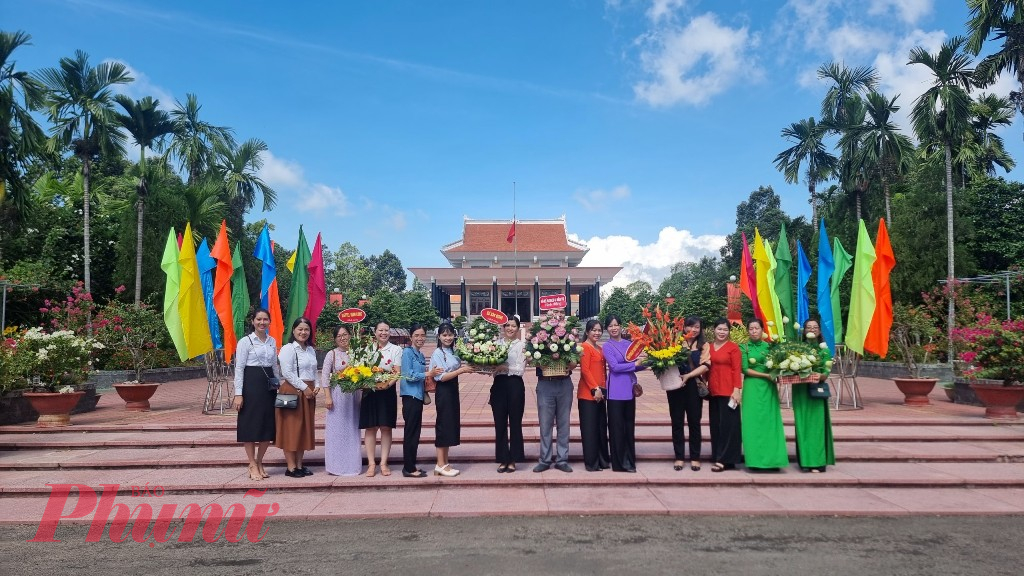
{"x": 993, "y": 349}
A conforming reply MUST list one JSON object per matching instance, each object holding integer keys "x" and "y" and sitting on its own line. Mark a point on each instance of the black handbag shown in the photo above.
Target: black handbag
{"x": 819, "y": 390}
{"x": 289, "y": 401}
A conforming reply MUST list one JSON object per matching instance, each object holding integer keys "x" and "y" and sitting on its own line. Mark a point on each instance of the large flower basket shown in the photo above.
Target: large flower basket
{"x": 136, "y": 396}
{"x": 915, "y": 390}
{"x": 669, "y": 379}
{"x": 54, "y": 408}
{"x": 790, "y": 379}
{"x": 554, "y": 369}
{"x": 1000, "y": 401}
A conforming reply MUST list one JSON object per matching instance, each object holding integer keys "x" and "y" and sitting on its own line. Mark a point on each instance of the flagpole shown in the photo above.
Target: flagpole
{"x": 515, "y": 252}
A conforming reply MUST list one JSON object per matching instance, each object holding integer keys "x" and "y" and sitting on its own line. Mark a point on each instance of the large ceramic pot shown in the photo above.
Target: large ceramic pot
{"x": 136, "y": 396}
{"x": 1000, "y": 401}
{"x": 54, "y": 408}
{"x": 915, "y": 390}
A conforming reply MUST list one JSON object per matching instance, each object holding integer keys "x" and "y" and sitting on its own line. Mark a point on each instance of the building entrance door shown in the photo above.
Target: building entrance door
{"x": 509, "y": 304}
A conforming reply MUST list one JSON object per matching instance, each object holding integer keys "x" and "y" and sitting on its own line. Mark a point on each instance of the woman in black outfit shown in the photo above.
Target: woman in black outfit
{"x": 255, "y": 365}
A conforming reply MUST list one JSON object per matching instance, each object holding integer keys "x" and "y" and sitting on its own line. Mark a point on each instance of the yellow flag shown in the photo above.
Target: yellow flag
{"x": 764, "y": 298}
{"x": 780, "y": 320}
{"x": 862, "y": 292}
{"x": 291, "y": 261}
{"x": 191, "y": 306}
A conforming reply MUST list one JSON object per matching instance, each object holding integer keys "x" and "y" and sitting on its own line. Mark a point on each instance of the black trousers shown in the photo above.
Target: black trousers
{"x": 594, "y": 433}
{"x": 412, "y": 414}
{"x": 508, "y": 401}
{"x": 685, "y": 407}
{"x": 621, "y": 432}
{"x": 725, "y": 431}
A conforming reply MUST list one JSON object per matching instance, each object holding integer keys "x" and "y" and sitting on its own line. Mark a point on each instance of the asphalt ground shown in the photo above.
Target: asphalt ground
{"x": 567, "y": 546}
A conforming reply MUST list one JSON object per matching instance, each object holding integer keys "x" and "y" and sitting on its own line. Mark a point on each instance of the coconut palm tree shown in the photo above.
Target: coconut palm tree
{"x": 846, "y": 84}
{"x": 148, "y": 125}
{"x": 941, "y": 117}
{"x": 1006, "y": 19}
{"x": 236, "y": 169}
{"x": 195, "y": 139}
{"x": 854, "y": 174}
{"x": 983, "y": 150}
{"x": 79, "y": 102}
{"x": 882, "y": 149}
{"x": 20, "y": 136}
{"x": 809, "y": 149}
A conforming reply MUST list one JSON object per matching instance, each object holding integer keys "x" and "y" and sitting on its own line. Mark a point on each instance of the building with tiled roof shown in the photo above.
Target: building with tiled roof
{"x": 492, "y": 267}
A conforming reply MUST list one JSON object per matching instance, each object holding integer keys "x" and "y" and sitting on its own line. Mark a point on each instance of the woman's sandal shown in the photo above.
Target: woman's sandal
{"x": 677, "y": 465}
{"x": 502, "y": 468}
{"x": 384, "y": 470}
{"x": 695, "y": 466}
{"x": 254, "y": 473}
{"x": 371, "y": 470}
{"x": 718, "y": 468}
{"x": 510, "y": 468}
{"x": 263, "y": 472}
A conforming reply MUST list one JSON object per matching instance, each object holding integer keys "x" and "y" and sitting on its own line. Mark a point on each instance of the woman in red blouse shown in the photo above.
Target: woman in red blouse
{"x": 726, "y": 384}
{"x": 590, "y": 400}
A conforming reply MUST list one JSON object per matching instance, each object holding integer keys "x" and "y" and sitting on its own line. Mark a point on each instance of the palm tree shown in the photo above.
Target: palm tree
{"x": 1006, "y": 19}
{"x": 147, "y": 125}
{"x": 195, "y": 139}
{"x": 20, "y": 136}
{"x": 854, "y": 175}
{"x": 983, "y": 150}
{"x": 236, "y": 170}
{"x": 883, "y": 149}
{"x": 809, "y": 148}
{"x": 79, "y": 103}
{"x": 846, "y": 84}
{"x": 941, "y": 116}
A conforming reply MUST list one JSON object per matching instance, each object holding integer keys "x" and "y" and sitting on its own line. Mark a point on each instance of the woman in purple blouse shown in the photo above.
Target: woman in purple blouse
{"x": 622, "y": 392}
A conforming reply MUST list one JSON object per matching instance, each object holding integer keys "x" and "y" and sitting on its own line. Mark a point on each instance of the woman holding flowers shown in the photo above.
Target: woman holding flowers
{"x": 508, "y": 401}
{"x": 685, "y": 406}
{"x": 764, "y": 440}
{"x": 414, "y": 396}
{"x": 448, "y": 368}
{"x": 255, "y": 365}
{"x": 622, "y": 392}
{"x": 590, "y": 400}
{"x": 342, "y": 455}
{"x": 379, "y": 407}
{"x": 811, "y": 416}
{"x": 295, "y": 432}
{"x": 725, "y": 384}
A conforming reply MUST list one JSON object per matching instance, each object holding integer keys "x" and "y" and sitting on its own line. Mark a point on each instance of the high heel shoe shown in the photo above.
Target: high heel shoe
{"x": 445, "y": 470}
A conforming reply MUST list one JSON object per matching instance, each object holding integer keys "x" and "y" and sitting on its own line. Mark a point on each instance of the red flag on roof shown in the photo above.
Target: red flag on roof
{"x": 511, "y": 233}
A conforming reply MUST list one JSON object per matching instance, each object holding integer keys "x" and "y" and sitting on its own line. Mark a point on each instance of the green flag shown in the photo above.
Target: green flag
{"x": 784, "y": 284}
{"x": 773, "y": 290}
{"x": 239, "y": 293}
{"x": 169, "y": 264}
{"x": 862, "y": 296}
{"x": 843, "y": 262}
{"x": 298, "y": 297}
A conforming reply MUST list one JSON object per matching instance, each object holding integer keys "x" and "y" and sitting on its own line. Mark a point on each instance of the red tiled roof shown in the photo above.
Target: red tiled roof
{"x": 530, "y": 237}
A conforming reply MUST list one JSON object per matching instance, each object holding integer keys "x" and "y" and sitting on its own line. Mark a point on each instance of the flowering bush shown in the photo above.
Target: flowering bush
{"x": 553, "y": 341}
{"x": 362, "y": 370}
{"x": 995, "y": 349}
{"x": 57, "y": 359}
{"x": 482, "y": 347}
{"x": 913, "y": 335}
{"x": 132, "y": 331}
{"x": 662, "y": 339}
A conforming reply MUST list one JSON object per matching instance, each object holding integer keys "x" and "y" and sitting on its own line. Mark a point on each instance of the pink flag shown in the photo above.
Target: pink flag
{"x": 748, "y": 279}
{"x": 317, "y": 284}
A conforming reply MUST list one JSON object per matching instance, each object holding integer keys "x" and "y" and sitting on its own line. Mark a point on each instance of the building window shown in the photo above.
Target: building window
{"x": 478, "y": 300}
{"x": 510, "y": 294}
{"x": 551, "y": 291}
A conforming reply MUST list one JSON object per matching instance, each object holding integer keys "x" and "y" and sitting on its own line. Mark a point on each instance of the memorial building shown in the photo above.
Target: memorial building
{"x": 510, "y": 266}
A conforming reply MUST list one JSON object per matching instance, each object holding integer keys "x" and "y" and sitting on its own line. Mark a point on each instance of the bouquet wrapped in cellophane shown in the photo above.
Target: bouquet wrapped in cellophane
{"x": 481, "y": 348}
{"x": 662, "y": 339}
{"x": 362, "y": 371}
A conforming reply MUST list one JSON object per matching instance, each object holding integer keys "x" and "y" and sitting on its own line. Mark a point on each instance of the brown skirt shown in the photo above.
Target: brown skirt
{"x": 295, "y": 425}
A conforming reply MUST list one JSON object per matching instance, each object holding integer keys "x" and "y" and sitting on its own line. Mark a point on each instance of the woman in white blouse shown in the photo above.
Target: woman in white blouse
{"x": 295, "y": 425}
{"x": 508, "y": 401}
{"x": 255, "y": 365}
{"x": 378, "y": 409}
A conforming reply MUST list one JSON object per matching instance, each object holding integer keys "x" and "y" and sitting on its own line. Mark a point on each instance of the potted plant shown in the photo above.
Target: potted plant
{"x": 912, "y": 337}
{"x": 134, "y": 331}
{"x": 55, "y": 364}
{"x": 995, "y": 360}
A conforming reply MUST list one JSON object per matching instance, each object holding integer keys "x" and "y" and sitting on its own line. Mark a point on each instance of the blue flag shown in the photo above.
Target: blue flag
{"x": 826, "y": 266}
{"x": 803, "y": 275}
{"x": 264, "y": 252}
{"x": 206, "y": 265}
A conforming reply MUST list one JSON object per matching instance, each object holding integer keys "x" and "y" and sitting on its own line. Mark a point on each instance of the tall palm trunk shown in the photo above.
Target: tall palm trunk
{"x": 885, "y": 192}
{"x": 950, "y": 282}
{"x": 139, "y": 210}
{"x": 814, "y": 204}
{"x": 86, "y": 232}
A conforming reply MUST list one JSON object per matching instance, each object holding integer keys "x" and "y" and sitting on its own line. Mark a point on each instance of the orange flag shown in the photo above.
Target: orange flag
{"x": 222, "y": 290}
{"x": 877, "y": 339}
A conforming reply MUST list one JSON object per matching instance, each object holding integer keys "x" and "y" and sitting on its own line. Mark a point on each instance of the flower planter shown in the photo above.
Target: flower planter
{"x": 136, "y": 396}
{"x": 669, "y": 379}
{"x": 54, "y": 409}
{"x": 915, "y": 390}
{"x": 950, "y": 393}
{"x": 1000, "y": 401}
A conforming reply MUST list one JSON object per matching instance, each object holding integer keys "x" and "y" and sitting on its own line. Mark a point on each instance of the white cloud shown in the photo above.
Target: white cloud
{"x": 323, "y": 199}
{"x": 142, "y": 86}
{"x": 280, "y": 172}
{"x": 663, "y": 9}
{"x": 851, "y": 42}
{"x": 398, "y": 220}
{"x": 907, "y": 81}
{"x": 695, "y": 63}
{"x": 600, "y": 199}
{"x": 649, "y": 262}
{"x": 910, "y": 11}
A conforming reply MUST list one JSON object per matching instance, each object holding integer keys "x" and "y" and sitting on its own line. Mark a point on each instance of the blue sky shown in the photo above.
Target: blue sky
{"x": 643, "y": 122}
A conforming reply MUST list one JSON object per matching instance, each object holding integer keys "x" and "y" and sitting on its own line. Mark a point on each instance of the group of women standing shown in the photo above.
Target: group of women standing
{"x": 739, "y": 390}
